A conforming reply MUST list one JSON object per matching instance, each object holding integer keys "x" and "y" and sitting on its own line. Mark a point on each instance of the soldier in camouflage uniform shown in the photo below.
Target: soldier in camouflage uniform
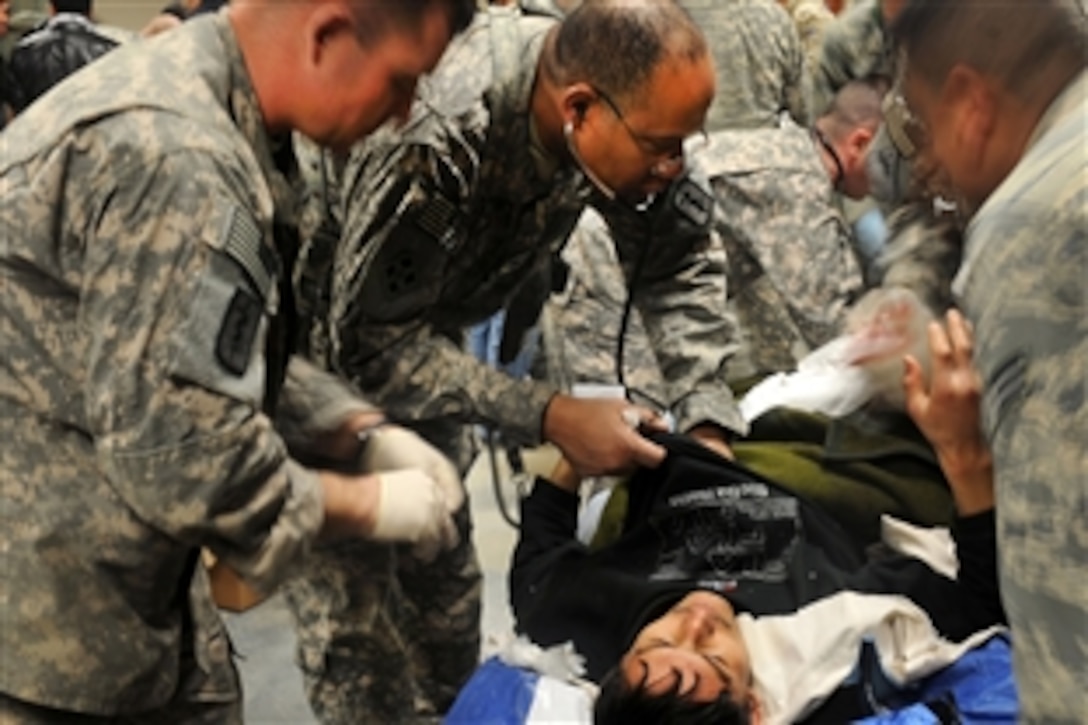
{"x": 448, "y": 218}
{"x": 764, "y": 76}
{"x": 146, "y": 216}
{"x": 760, "y": 62}
{"x": 1017, "y": 160}
{"x": 855, "y": 46}
{"x": 792, "y": 269}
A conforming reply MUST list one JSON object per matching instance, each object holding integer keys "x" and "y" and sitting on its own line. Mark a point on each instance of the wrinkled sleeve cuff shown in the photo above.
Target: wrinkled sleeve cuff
{"x": 715, "y": 406}
{"x": 291, "y": 537}
{"x": 521, "y": 416}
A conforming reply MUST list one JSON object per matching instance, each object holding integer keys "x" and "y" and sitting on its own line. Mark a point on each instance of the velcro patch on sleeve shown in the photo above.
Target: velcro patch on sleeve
{"x": 693, "y": 202}
{"x": 405, "y": 276}
{"x": 221, "y": 345}
{"x": 237, "y": 331}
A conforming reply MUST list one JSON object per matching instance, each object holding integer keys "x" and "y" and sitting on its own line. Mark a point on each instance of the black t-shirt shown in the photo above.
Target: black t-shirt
{"x": 700, "y": 521}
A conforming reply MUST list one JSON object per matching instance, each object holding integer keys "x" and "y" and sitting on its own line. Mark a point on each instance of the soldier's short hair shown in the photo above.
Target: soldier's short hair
{"x": 1021, "y": 43}
{"x": 615, "y": 45}
{"x": 857, "y": 104}
{"x": 377, "y": 15}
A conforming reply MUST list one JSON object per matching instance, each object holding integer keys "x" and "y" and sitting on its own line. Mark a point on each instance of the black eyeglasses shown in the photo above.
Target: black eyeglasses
{"x": 669, "y": 152}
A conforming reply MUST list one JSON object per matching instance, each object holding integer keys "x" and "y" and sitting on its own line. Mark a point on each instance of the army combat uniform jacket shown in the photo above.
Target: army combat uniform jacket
{"x": 143, "y": 333}
{"x": 793, "y": 272}
{"x": 760, "y": 63}
{"x": 1022, "y": 285}
{"x": 448, "y": 217}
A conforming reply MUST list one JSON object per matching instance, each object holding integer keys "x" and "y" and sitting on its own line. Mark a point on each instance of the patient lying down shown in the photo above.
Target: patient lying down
{"x": 729, "y": 599}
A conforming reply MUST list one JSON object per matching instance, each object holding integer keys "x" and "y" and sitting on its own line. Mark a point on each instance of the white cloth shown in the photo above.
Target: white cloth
{"x": 799, "y": 659}
{"x": 824, "y": 382}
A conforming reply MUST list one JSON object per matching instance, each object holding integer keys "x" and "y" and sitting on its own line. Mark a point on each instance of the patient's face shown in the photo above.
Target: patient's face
{"x": 698, "y": 641}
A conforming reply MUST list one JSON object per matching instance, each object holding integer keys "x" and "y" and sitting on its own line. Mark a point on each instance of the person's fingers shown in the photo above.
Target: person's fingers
{"x": 939, "y": 347}
{"x": 652, "y": 420}
{"x": 718, "y": 446}
{"x": 914, "y": 387}
{"x": 564, "y": 475}
{"x": 646, "y": 453}
{"x": 959, "y": 335}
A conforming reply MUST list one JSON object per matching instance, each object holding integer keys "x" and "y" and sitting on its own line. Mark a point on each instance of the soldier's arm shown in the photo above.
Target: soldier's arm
{"x": 320, "y": 416}
{"x": 680, "y": 291}
{"x": 176, "y": 377}
{"x": 401, "y": 199}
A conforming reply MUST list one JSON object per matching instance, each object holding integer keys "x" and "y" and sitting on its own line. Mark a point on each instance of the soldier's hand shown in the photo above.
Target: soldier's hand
{"x": 340, "y": 446}
{"x": 601, "y": 437}
{"x": 412, "y": 509}
{"x": 405, "y": 506}
{"x": 391, "y": 448}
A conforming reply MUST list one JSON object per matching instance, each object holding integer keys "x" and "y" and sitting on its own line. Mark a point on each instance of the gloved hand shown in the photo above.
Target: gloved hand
{"x": 392, "y": 448}
{"x": 412, "y": 508}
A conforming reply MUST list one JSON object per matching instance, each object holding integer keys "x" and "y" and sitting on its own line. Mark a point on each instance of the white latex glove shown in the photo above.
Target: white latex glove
{"x": 412, "y": 508}
{"x": 392, "y": 448}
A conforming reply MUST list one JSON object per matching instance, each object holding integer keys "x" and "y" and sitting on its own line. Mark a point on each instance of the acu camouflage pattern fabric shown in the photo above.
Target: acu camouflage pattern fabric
{"x": 855, "y": 47}
{"x": 792, "y": 269}
{"x": 382, "y": 637}
{"x": 923, "y": 253}
{"x": 444, "y": 222}
{"x": 140, "y": 263}
{"x": 1023, "y": 286}
{"x": 759, "y": 61}
{"x": 447, "y": 219}
{"x": 793, "y": 272}
{"x": 581, "y": 324}
{"x": 811, "y": 18}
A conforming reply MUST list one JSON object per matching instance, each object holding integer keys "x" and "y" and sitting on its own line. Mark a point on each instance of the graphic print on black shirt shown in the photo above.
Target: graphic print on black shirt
{"x": 725, "y": 533}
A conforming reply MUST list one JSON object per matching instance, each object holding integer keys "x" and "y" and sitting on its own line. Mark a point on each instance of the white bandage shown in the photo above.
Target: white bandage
{"x": 392, "y": 448}
{"x": 412, "y": 509}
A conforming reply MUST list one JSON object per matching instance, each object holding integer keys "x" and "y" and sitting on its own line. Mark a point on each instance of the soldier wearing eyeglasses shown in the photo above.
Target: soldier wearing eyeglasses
{"x": 993, "y": 99}
{"x": 450, "y": 218}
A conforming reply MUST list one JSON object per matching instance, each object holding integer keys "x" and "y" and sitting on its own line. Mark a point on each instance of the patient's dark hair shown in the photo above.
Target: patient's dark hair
{"x": 620, "y": 703}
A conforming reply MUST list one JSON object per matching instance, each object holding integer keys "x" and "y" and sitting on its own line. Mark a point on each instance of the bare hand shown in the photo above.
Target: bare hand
{"x": 713, "y": 438}
{"x": 601, "y": 437}
{"x": 947, "y": 409}
{"x": 342, "y": 443}
{"x": 947, "y": 412}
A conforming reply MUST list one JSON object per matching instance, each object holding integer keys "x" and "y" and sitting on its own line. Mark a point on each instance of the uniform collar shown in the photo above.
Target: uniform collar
{"x": 274, "y": 154}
